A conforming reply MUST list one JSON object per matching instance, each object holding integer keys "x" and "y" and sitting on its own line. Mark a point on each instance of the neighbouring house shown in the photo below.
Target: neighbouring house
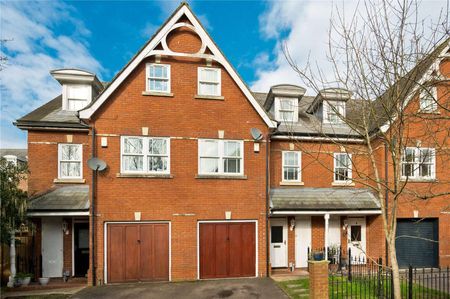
{"x": 203, "y": 179}
{"x": 19, "y": 157}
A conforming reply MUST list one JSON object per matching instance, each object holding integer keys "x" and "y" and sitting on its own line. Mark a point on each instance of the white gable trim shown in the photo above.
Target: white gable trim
{"x": 160, "y": 37}
{"x": 426, "y": 77}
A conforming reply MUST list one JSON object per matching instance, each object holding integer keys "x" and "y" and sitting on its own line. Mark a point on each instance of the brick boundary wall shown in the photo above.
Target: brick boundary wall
{"x": 318, "y": 279}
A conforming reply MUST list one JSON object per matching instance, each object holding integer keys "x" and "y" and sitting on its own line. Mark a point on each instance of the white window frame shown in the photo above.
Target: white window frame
{"x": 278, "y": 109}
{"x": 299, "y": 166}
{"x": 339, "y": 113}
{"x": 349, "y": 168}
{"x": 219, "y": 83}
{"x": 148, "y": 78}
{"x": 416, "y": 164}
{"x": 221, "y": 157}
{"x": 60, "y": 160}
{"x": 425, "y": 95}
{"x": 145, "y": 154}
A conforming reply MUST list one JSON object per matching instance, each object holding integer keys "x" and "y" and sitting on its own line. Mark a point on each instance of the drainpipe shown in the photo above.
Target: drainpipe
{"x": 386, "y": 193}
{"x": 267, "y": 203}
{"x": 94, "y": 178}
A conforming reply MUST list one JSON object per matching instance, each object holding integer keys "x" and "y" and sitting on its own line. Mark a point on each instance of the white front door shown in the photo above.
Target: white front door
{"x": 278, "y": 243}
{"x": 52, "y": 247}
{"x": 356, "y": 239}
{"x": 302, "y": 240}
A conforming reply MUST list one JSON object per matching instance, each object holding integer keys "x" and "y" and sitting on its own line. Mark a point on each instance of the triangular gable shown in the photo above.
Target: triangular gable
{"x": 158, "y": 46}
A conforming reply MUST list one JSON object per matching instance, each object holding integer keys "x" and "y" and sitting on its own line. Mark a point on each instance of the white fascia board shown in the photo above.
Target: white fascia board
{"x": 350, "y": 212}
{"x": 34, "y": 214}
{"x": 87, "y": 113}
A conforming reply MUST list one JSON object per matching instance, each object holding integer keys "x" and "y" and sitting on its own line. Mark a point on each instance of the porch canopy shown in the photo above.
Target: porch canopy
{"x": 322, "y": 201}
{"x": 72, "y": 200}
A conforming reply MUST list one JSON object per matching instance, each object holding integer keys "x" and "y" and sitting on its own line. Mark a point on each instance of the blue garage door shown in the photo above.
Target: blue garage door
{"x": 417, "y": 243}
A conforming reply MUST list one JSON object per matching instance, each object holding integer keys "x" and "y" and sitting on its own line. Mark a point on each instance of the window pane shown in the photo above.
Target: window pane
{"x": 231, "y": 165}
{"x": 133, "y": 145}
{"x": 159, "y": 85}
{"x": 276, "y": 234}
{"x": 209, "y": 148}
{"x": 133, "y": 163}
{"x": 158, "y": 71}
{"x": 70, "y": 152}
{"x": 209, "y": 75}
{"x": 408, "y": 170}
{"x": 341, "y": 174}
{"x": 426, "y": 155}
{"x": 209, "y": 89}
{"x": 290, "y": 173}
{"x": 157, "y": 163}
{"x": 291, "y": 159}
{"x": 232, "y": 149}
{"x": 425, "y": 170}
{"x": 355, "y": 233}
{"x": 70, "y": 169}
{"x": 409, "y": 155}
{"x": 287, "y": 104}
{"x": 209, "y": 165}
{"x": 157, "y": 146}
{"x": 287, "y": 115}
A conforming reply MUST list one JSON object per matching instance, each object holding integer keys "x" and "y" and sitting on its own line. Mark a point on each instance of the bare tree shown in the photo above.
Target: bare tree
{"x": 388, "y": 58}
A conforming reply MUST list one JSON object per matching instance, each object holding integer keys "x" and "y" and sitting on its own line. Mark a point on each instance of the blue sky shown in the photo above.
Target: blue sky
{"x": 102, "y": 36}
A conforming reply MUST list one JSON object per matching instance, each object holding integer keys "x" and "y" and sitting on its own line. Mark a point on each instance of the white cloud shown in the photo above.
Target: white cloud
{"x": 303, "y": 27}
{"x": 35, "y": 48}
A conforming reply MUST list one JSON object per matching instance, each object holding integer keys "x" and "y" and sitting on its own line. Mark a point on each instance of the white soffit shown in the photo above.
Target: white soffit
{"x": 160, "y": 37}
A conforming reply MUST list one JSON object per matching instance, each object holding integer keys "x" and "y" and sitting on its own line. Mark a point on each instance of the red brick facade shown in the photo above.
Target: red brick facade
{"x": 184, "y": 198}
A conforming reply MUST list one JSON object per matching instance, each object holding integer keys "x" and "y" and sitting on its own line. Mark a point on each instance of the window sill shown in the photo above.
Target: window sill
{"x": 157, "y": 94}
{"x": 69, "y": 181}
{"x": 206, "y": 97}
{"x": 221, "y": 177}
{"x": 145, "y": 175}
{"x": 342, "y": 184}
{"x": 285, "y": 183}
{"x": 424, "y": 180}
{"x": 428, "y": 111}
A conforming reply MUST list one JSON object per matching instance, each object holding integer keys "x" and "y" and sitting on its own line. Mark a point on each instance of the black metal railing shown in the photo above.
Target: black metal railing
{"x": 370, "y": 279}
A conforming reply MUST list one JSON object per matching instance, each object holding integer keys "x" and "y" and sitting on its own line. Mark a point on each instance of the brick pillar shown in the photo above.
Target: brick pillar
{"x": 318, "y": 279}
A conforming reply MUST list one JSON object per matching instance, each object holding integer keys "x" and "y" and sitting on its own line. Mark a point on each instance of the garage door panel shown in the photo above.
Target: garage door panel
{"x": 146, "y": 256}
{"x": 161, "y": 252}
{"x": 132, "y": 253}
{"x": 221, "y": 247}
{"x": 235, "y": 237}
{"x": 138, "y": 252}
{"x": 207, "y": 250}
{"x": 248, "y": 252}
{"x": 417, "y": 243}
{"x": 227, "y": 249}
{"x": 116, "y": 253}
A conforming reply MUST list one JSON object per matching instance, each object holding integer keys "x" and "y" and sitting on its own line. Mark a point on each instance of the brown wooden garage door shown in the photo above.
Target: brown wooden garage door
{"x": 138, "y": 252}
{"x": 227, "y": 249}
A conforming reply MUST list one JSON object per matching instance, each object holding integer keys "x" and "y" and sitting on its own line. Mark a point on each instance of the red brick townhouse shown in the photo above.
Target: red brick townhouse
{"x": 192, "y": 187}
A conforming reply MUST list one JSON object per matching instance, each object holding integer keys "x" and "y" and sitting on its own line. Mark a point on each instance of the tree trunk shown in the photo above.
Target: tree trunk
{"x": 395, "y": 269}
{"x": 12, "y": 257}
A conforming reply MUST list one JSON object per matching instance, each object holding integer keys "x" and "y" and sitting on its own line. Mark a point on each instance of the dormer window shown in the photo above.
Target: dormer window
{"x": 428, "y": 98}
{"x": 286, "y": 109}
{"x": 333, "y": 112}
{"x": 77, "y": 96}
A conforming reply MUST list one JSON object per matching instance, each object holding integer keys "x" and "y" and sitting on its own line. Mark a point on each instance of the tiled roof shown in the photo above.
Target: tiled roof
{"x": 307, "y": 199}
{"x": 66, "y": 198}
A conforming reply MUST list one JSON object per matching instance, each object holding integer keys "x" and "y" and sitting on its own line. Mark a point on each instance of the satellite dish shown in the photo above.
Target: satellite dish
{"x": 256, "y": 134}
{"x": 96, "y": 164}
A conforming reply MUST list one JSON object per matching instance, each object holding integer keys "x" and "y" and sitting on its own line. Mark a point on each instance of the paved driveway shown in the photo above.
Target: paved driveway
{"x": 228, "y": 288}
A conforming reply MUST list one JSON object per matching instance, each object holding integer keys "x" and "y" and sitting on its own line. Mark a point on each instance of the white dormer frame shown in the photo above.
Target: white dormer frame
{"x": 65, "y": 95}
{"x": 160, "y": 38}
{"x": 277, "y": 105}
{"x": 330, "y": 107}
